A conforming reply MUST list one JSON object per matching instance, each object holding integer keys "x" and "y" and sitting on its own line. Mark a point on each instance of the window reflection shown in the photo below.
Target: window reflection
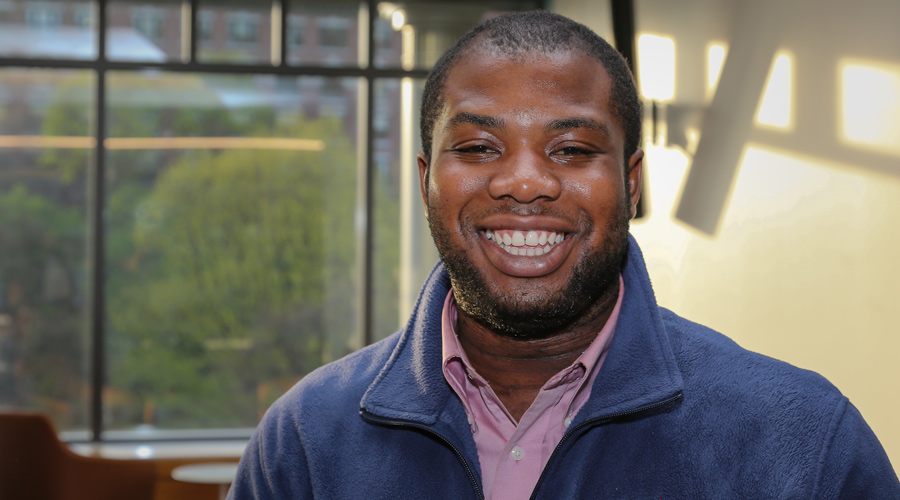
{"x": 777, "y": 103}
{"x": 870, "y": 105}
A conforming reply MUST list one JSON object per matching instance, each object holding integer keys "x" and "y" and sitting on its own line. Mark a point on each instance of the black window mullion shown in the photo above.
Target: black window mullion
{"x": 623, "y": 23}
{"x": 285, "y": 8}
{"x": 366, "y": 308}
{"x": 192, "y": 59}
{"x": 96, "y": 241}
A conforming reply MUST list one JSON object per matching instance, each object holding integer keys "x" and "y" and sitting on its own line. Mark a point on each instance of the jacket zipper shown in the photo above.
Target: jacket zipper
{"x": 591, "y": 421}
{"x": 396, "y": 423}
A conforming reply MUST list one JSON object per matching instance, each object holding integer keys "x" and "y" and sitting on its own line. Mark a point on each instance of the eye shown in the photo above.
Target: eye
{"x": 475, "y": 149}
{"x": 573, "y": 151}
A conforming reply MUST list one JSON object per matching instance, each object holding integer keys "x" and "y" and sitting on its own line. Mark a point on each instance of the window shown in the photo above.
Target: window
{"x": 205, "y": 22}
{"x": 334, "y": 32}
{"x": 222, "y": 262}
{"x": 148, "y": 21}
{"x": 83, "y": 15}
{"x": 43, "y": 15}
{"x": 296, "y": 30}
{"x": 243, "y": 27}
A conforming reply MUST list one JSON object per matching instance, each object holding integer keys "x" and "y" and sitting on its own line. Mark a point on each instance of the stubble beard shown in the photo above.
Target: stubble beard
{"x": 533, "y": 313}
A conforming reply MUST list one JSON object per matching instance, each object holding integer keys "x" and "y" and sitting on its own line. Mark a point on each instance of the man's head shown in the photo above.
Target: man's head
{"x": 526, "y": 181}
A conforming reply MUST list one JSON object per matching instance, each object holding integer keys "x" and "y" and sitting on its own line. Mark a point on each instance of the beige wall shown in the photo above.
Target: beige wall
{"x": 803, "y": 263}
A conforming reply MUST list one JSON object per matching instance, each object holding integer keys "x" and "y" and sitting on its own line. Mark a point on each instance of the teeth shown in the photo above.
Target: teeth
{"x": 525, "y": 243}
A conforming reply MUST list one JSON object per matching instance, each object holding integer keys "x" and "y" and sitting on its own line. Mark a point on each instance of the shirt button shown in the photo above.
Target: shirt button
{"x": 469, "y": 374}
{"x": 469, "y": 417}
{"x": 567, "y": 422}
{"x": 517, "y": 453}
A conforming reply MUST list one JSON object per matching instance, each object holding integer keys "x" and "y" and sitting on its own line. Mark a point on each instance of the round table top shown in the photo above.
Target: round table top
{"x": 206, "y": 473}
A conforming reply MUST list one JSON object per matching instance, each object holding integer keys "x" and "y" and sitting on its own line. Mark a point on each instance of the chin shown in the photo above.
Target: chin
{"x": 533, "y": 312}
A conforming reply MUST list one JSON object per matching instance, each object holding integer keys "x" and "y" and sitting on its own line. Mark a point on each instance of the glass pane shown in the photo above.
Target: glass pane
{"x": 45, "y": 150}
{"x": 230, "y": 242}
{"x": 325, "y": 34}
{"x": 59, "y": 30}
{"x": 232, "y": 31}
{"x": 414, "y": 34}
{"x": 144, "y": 31}
{"x": 403, "y": 252}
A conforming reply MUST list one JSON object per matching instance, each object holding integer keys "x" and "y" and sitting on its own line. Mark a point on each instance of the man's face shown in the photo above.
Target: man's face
{"x": 527, "y": 194}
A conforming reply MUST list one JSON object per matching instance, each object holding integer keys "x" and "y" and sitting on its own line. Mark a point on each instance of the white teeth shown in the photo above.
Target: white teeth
{"x": 527, "y": 243}
{"x": 518, "y": 239}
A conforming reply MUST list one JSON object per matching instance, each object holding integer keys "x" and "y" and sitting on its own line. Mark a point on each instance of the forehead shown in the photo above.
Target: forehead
{"x": 530, "y": 87}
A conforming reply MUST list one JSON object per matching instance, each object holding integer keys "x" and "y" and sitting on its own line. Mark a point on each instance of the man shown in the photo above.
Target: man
{"x": 537, "y": 363}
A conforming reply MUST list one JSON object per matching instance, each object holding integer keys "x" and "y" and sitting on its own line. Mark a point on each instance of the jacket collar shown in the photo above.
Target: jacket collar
{"x": 639, "y": 369}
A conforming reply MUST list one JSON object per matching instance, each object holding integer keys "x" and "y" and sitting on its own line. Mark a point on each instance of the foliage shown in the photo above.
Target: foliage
{"x": 242, "y": 272}
{"x": 227, "y": 272}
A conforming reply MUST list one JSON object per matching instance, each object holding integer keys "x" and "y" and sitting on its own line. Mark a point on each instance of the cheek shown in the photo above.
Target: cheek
{"x": 596, "y": 192}
{"x": 453, "y": 187}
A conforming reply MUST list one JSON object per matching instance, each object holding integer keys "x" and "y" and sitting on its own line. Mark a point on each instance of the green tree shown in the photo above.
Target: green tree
{"x": 42, "y": 248}
{"x": 242, "y": 272}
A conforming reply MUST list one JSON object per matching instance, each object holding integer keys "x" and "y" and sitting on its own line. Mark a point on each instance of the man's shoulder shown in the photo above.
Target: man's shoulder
{"x": 339, "y": 384}
{"x": 711, "y": 360}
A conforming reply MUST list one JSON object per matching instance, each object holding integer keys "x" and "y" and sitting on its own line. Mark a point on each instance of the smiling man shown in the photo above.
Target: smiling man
{"x": 537, "y": 363}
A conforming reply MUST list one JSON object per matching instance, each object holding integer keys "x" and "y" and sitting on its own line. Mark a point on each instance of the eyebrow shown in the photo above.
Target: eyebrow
{"x": 577, "y": 122}
{"x": 475, "y": 119}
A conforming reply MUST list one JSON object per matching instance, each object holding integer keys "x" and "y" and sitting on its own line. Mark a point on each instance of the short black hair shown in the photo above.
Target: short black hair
{"x": 536, "y": 32}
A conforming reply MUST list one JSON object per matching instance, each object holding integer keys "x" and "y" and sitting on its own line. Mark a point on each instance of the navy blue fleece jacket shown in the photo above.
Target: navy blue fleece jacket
{"x": 677, "y": 411}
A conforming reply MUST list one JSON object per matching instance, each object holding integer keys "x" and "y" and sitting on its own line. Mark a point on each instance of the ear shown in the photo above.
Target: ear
{"x": 635, "y": 174}
{"x": 422, "y": 160}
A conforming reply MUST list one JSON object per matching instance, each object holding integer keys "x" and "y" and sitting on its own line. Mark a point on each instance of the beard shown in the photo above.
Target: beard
{"x": 532, "y": 312}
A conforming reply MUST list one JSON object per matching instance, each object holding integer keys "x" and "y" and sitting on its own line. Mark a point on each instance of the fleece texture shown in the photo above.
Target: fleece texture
{"x": 677, "y": 411}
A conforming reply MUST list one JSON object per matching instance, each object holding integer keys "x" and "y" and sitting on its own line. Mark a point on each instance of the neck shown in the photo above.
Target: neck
{"x": 517, "y": 369}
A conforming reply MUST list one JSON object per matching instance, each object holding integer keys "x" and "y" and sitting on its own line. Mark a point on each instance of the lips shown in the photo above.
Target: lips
{"x": 531, "y": 243}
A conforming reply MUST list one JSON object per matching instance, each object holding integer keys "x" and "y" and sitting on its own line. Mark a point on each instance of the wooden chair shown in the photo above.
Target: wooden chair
{"x": 36, "y": 465}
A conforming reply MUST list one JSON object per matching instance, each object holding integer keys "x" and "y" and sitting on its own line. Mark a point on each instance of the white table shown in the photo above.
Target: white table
{"x": 207, "y": 473}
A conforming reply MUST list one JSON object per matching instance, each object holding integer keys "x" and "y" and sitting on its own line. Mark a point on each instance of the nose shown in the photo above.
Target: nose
{"x": 525, "y": 176}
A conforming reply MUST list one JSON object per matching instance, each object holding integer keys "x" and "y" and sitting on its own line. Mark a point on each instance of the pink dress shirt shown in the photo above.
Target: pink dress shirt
{"x": 513, "y": 454}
